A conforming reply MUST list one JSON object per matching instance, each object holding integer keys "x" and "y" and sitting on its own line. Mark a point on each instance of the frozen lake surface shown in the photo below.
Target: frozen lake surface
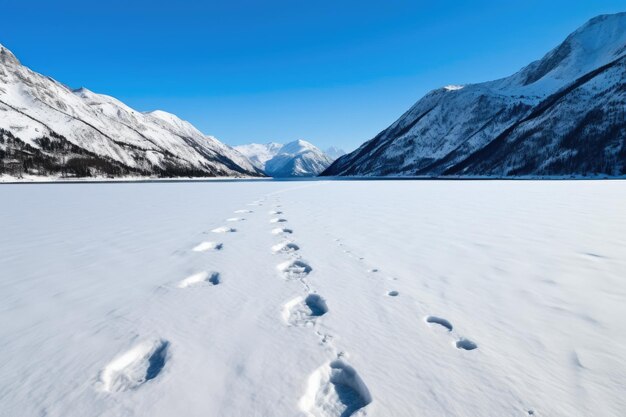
{"x": 316, "y": 298}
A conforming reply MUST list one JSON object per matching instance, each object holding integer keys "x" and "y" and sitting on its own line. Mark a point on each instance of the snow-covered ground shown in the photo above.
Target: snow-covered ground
{"x": 379, "y": 298}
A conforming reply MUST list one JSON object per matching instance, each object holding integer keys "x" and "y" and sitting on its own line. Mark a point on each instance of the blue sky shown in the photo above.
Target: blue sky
{"x": 331, "y": 72}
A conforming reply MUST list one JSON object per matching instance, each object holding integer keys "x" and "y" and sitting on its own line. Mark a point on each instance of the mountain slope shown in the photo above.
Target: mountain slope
{"x": 295, "y": 159}
{"x": 562, "y": 115}
{"x": 334, "y": 152}
{"x": 259, "y": 153}
{"x": 47, "y": 127}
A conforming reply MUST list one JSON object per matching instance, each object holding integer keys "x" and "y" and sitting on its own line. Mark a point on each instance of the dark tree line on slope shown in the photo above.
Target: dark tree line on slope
{"x": 56, "y": 156}
{"x": 596, "y": 145}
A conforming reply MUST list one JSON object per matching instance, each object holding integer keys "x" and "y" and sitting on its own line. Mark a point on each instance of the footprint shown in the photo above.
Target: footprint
{"x": 335, "y": 390}
{"x": 466, "y": 344}
{"x": 441, "y": 322}
{"x": 393, "y": 293}
{"x": 294, "y": 269}
{"x": 372, "y": 270}
{"x": 316, "y": 304}
{"x": 207, "y": 246}
{"x": 285, "y": 247}
{"x": 277, "y": 220}
{"x": 224, "y": 229}
{"x": 280, "y": 230}
{"x": 243, "y": 211}
{"x": 303, "y": 311}
{"x": 137, "y": 366}
{"x": 199, "y": 278}
{"x": 235, "y": 219}
{"x": 275, "y": 212}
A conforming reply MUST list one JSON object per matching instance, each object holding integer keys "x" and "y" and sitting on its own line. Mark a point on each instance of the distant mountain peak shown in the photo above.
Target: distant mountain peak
{"x": 298, "y": 158}
{"x": 334, "y": 152}
{"x": 298, "y": 146}
{"x": 259, "y": 153}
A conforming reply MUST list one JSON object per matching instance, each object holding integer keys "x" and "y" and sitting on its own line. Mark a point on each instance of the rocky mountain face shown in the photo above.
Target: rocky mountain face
{"x": 48, "y": 129}
{"x": 563, "y": 115}
{"x": 294, "y": 159}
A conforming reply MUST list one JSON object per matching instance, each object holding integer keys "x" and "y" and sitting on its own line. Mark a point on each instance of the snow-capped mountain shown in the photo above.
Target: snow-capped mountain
{"x": 297, "y": 159}
{"x": 259, "y": 153}
{"x": 294, "y": 159}
{"x": 334, "y": 152}
{"x": 47, "y": 128}
{"x": 561, "y": 115}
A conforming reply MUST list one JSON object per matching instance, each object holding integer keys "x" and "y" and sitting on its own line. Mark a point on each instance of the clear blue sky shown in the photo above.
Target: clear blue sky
{"x": 332, "y": 72}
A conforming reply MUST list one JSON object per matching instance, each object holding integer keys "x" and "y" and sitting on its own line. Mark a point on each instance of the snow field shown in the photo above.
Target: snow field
{"x": 385, "y": 298}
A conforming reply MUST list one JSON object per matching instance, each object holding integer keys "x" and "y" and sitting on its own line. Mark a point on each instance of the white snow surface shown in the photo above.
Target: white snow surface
{"x": 388, "y": 298}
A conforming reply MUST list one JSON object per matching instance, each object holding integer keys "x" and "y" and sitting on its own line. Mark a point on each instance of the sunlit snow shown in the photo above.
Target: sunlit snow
{"x": 378, "y": 298}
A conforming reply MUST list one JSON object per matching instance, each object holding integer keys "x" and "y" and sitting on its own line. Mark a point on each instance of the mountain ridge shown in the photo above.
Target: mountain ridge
{"x": 298, "y": 158}
{"x": 477, "y": 129}
{"x": 90, "y": 134}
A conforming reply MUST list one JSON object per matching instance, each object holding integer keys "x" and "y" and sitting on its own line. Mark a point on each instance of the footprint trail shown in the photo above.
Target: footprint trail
{"x": 335, "y": 389}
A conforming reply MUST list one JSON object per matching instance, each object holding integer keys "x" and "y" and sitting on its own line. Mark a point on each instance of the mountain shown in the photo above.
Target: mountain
{"x": 259, "y": 153}
{"x": 562, "y": 115}
{"x": 334, "y": 152}
{"x": 295, "y": 159}
{"x": 47, "y": 128}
